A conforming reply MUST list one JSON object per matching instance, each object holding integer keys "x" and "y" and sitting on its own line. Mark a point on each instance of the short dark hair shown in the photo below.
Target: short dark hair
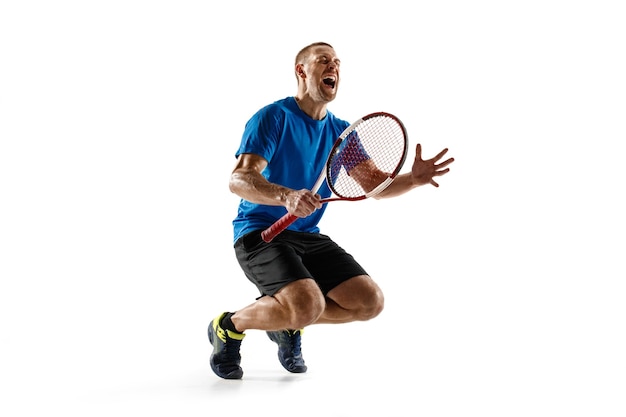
{"x": 305, "y": 51}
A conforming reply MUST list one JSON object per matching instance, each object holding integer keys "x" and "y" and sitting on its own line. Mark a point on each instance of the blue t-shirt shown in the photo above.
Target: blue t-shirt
{"x": 296, "y": 148}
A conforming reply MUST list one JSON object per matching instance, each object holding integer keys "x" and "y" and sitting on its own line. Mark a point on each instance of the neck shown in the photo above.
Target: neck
{"x": 313, "y": 109}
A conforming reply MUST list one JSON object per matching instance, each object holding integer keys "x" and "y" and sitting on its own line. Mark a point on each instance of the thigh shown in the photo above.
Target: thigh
{"x": 329, "y": 263}
{"x": 269, "y": 266}
{"x": 357, "y": 293}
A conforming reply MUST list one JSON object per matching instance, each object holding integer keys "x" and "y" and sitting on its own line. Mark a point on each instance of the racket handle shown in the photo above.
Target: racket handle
{"x": 278, "y": 226}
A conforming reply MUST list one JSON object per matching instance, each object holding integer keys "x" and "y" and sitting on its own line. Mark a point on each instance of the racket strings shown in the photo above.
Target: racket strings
{"x": 368, "y": 156}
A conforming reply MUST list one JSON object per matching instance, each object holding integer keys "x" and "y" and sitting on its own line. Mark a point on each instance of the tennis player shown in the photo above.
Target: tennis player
{"x": 303, "y": 276}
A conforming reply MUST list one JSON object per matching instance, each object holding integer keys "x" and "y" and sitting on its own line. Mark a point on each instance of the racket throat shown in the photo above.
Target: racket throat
{"x": 380, "y": 187}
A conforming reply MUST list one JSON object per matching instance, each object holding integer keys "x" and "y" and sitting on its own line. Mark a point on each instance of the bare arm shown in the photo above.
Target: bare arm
{"x": 422, "y": 173}
{"x": 247, "y": 182}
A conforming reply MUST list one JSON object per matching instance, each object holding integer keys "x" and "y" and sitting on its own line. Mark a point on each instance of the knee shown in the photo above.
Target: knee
{"x": 303, "y": 303}
{"x": 373, "y": 306}
{"x": 307, "y": 310}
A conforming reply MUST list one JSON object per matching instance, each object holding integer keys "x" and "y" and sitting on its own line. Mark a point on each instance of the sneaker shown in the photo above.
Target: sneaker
{"x": 225, "y": 358}
{"x": 289, "y": 350}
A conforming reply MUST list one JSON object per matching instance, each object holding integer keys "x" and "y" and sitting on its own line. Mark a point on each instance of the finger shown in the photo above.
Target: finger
{"x": 441, "y": 154}
{"x": 418, "y": 151}
{"x": 444, "y": 163}
{"x": 441, "y": 172}
{"x": 433, "y": 182}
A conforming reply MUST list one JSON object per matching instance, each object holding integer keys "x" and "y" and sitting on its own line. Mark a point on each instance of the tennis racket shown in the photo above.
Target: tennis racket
{"x": 363, "y": 161}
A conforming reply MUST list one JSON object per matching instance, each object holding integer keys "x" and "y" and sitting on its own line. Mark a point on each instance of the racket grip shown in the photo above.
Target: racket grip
{"x": 278, "y": 226}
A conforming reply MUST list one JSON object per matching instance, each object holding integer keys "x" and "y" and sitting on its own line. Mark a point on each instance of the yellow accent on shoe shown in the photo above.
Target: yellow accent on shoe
{"x": 235, "y": 335}
{"x": 224, "y": 333}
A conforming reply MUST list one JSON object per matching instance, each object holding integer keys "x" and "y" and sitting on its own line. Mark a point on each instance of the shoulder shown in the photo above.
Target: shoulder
{"x": 273, "y": 114}
{"x": 282, "y": 106}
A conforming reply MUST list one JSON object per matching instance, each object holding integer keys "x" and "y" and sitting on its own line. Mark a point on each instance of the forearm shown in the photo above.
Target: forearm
{"x": 400, "y": 185}
{"x": 253, "y": 187}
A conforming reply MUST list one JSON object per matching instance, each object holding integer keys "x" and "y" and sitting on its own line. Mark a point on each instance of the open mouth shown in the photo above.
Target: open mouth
{"x": 330, "y": 81}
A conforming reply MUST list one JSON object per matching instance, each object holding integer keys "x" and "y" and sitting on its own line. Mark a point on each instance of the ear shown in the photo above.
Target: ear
{"x": 300, "y": 71}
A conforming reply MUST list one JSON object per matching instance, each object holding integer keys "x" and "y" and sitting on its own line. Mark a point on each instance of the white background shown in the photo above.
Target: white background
{"x": 504, "y": 287}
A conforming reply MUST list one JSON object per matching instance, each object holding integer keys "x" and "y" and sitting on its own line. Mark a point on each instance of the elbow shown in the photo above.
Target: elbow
{"x": 232, "y": 184}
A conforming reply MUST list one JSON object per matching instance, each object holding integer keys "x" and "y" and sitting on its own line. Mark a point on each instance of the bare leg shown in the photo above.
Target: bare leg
{"x": 295, "y": 306}
{"x": 301, "y": 303}
{"x": 357, "y": 299}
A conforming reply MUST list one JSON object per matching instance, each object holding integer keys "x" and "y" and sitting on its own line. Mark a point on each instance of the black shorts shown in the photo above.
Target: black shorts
{"x": 291, "y": 256}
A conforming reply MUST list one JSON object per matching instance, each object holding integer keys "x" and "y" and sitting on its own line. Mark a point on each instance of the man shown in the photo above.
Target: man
{"x": 303, "y": 276}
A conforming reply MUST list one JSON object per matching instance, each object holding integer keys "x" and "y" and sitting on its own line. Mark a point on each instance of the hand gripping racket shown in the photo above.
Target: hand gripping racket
{"x": 364, "y": 161}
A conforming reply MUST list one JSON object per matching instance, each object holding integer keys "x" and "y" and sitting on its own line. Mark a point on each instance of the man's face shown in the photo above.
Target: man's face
{"x": 321, "y": 71}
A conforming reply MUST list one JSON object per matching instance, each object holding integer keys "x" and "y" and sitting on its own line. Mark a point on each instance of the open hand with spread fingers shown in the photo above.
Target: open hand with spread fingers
{"x": 424, "y": 171}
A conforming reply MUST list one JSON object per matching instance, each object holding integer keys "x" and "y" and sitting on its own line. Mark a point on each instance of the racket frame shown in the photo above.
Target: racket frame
{"x": 284, "y": 222}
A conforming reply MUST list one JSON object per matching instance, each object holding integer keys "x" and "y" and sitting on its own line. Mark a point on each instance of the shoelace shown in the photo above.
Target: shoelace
{"x": 295, "y": 342}
{"x": 230, "y": 349}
